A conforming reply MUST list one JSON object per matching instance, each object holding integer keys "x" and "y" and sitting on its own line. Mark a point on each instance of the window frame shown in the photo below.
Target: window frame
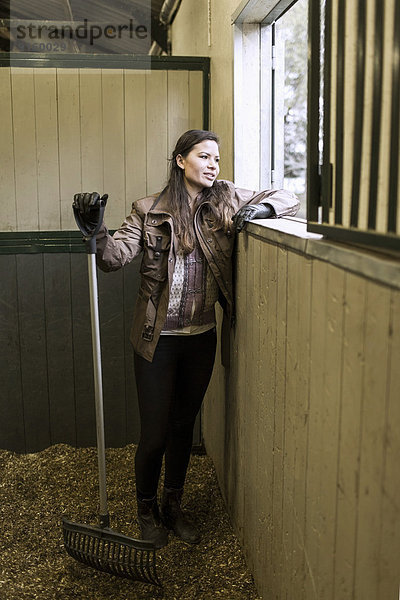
{"x": 252, "y": 24}
{"x": 258, "y": 113}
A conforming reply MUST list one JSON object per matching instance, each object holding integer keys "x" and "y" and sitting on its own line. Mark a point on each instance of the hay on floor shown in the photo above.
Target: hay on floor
{"x": 36, "y": 490}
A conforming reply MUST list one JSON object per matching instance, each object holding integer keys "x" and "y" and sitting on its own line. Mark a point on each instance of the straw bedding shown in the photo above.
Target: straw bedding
{"x": 36, "y": 490}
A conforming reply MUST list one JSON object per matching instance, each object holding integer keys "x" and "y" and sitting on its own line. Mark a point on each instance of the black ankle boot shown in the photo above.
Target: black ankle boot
{"x": 150, "y": 523}
{"x": 173, "y": 517}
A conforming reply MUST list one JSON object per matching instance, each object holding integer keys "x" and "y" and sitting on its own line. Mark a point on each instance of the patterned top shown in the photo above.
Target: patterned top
{"x": 193, "y": 294}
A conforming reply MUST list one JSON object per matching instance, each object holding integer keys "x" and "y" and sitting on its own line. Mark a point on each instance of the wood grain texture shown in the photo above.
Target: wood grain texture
{"x": 330, "y": 401}
{"x": 314, "y": 468}
{"x": 266, "y": 395}
{"x": 46, "y": 125}
{"x": 66, "y": 131}
{"x": 316, "y": 509}
{"x": 135, "y": 136}
{"x": 350, "y": 435}
{"x": 289, "y": 448}
{"x": 8, "y": 208}
{"x": 195, "y": 100}
{"x": 25, "y": 152}
{"x": 12, "y": 432}
{"x": 82, "y": 353}
{"x": 178, "y": 106}
{"x": 372, "y": 442}
{"x": 34, "y": 375}
{"x": 303, "y": 274}
{"x": 112, "y": 332}
{"x": 279, "y": 421}
{"x": 254, "y": 452}
{"x": 59, "y": 345}
{"x": 46, "y": 372}
{"x": 113, "y": 128}
{"x": 69, "y": 142}
{"x": 131, "y": 279}
{"x": 157, "y": 130}
{"x": 237, "y": 475}
{"x": 389, "y": 539}
{"x": 91, "y": 129}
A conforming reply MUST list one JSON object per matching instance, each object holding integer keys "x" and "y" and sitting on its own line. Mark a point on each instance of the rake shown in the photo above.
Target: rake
{"x": 99, "y": 546}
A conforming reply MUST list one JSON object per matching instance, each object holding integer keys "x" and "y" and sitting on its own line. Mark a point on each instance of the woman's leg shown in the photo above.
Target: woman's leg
{"x": 196, "y": 360}
{"x": 156, "y": 382}
{"x": 195, "y": 364}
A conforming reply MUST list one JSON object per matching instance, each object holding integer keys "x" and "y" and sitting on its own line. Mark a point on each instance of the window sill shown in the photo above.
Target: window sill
{"x": 291, "y": 232}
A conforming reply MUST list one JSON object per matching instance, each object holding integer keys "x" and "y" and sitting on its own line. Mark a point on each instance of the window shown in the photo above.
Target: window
{"x": 271, "y": 96}
{"x": 352, "y": 125}
{"x": 289, "y": 39}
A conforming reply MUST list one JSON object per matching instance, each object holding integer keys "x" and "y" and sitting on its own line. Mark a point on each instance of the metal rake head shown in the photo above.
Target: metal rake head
{"x": 111, "y": 552}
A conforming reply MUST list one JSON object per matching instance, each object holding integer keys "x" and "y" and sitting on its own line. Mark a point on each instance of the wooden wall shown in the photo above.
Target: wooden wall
{"x": 46, "y": 372}
{"x": 304, "y": 429}
{"x": 66, "y": 130}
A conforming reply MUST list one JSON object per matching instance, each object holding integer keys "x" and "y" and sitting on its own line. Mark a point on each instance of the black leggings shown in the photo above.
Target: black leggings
{"x": 170, "y": 392}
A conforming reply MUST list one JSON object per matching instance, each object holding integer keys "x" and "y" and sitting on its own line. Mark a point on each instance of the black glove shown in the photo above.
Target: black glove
{"x": 250, "y": 212}
{"x": 88, "y": 205}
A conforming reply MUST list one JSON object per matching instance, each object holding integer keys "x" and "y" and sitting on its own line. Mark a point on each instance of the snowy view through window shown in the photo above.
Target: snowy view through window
{"x": 292, "y": 27}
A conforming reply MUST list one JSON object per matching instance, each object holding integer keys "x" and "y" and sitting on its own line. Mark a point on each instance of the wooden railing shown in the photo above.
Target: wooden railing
{"x": 304, "y": 429}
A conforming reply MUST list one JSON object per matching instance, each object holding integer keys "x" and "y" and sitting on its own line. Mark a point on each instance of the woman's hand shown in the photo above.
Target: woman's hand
{"x": 88, "y": 204}
{"x": 250, "y": 212}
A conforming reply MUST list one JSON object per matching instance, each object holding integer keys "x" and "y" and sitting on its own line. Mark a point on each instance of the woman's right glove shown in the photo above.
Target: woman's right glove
{"x": 88, "y": 205}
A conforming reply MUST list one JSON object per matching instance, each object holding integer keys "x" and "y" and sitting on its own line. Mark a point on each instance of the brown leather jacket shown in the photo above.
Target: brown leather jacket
{"x": 150, "y": 228}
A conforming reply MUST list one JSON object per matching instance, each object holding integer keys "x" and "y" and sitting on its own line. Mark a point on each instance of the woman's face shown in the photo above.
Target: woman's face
{"x": 200, "y": 166}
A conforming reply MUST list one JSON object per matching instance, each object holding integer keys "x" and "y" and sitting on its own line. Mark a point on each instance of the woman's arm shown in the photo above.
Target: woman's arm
{"x": 113, "y": 252}
{"x": 283, "y": 202}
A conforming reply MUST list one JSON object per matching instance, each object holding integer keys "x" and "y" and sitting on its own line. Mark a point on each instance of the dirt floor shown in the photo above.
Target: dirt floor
{"x": 36, "y": 490}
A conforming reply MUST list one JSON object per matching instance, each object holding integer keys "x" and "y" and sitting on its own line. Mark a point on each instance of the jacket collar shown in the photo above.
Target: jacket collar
{"x": 160, "y": 203}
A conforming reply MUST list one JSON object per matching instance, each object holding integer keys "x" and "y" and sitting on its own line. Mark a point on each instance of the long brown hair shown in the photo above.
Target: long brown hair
{"x": 219, "y": 208}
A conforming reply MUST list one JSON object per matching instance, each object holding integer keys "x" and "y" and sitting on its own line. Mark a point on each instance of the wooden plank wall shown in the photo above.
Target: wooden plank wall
{"x": 46, "y": 375}
{"x": 64, "y": 131}
{"x": 304, "y": 429}
{"x": 69, "y": 130}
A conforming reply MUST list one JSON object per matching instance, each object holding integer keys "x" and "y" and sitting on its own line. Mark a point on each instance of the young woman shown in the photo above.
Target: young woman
{"x": 186, "y": 234}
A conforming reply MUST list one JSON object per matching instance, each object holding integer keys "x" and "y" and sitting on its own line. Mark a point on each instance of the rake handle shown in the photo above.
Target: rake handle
{"x": 104, "y": 517}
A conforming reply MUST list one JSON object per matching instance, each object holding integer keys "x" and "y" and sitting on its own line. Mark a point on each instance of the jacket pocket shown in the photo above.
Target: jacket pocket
{"x": 155, "y": 254}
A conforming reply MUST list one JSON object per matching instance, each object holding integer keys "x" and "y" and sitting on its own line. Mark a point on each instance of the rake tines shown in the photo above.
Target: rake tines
{"x": 111, "y": 552}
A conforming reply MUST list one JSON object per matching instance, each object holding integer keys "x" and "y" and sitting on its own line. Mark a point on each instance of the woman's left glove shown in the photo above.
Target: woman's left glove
{"x": 250, "y": 212}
